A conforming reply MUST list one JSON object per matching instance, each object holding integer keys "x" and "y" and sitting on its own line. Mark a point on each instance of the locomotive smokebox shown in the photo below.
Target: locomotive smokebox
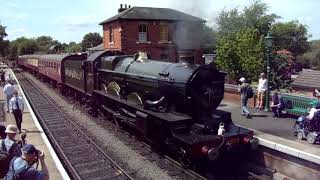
{"x": 186, "y": 56}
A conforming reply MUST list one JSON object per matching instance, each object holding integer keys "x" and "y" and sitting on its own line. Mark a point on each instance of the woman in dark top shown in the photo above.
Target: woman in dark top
{"x": 277, "y": 104}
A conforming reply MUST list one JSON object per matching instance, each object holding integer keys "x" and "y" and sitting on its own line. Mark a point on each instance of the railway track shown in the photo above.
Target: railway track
{"x": 82, "y": 158}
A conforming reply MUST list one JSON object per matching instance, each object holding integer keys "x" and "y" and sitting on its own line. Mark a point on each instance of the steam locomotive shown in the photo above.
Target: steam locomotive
{"x": 172, "y": 105}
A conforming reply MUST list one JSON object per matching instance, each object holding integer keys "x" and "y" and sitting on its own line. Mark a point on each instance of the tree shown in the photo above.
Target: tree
{"x": 45, "y": 42}
{"x": 241, "y": 54}
{"x": 291, "y": 36}
{"x": 28, "y": 46}
{"x": 312, "y": 57}
{"x": 281, "y": 70}
{"x": 73, "y": 47}
{"x": 254, "y": 16}
{"x": 4, "y": 44}
{"x": 91, "y": 40}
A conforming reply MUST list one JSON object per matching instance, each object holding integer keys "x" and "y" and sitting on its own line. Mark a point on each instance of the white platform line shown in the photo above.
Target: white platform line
{"x": 285, "y": 149}
{"x": 55, "y": 158}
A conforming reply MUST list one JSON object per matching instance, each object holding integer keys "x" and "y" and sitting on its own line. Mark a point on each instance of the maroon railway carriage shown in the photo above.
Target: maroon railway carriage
{"x": 29, "y": 62}
{"x": 48, "y": 66}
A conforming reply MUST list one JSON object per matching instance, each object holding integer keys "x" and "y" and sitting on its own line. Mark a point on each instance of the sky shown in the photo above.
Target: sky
{"x": 70, "y": 20}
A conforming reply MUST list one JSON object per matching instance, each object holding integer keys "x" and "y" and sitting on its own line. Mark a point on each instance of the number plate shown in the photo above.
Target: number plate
{"x": 233, "y": 141}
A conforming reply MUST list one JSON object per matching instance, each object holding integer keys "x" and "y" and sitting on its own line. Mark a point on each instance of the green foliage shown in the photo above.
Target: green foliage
{"x": 241, "y": 54}
{"x": 73, "y": 47}
{"x": 291, "y": 36}
{"x": 281, "y": 71}
{"x": 4, "y": 44}
{"x": 312, "y": 57}
{"x": 254, "y": 16}
{"x": 91, "y": 40}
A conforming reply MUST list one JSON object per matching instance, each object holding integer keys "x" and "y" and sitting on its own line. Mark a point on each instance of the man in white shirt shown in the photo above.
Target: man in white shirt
{"x": 8, "y": 91}
{"x": 17, "y": 107}
{"x": 262, "y": 87}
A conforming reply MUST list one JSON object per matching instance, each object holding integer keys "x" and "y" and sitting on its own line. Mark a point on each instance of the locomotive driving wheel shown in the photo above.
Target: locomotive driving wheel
{"x": 135, "y": 98}
{"x": 113, "y": 89}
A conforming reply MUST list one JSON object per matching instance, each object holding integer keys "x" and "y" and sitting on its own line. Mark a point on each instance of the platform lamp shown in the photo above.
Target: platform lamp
{"x": 268, "y": 41}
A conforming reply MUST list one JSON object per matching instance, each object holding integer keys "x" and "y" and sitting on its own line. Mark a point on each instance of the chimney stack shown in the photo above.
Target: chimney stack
{"x": 122, "y": 8}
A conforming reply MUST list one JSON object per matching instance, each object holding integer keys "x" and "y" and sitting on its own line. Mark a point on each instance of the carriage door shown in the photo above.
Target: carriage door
{"x": 89, "y": 74}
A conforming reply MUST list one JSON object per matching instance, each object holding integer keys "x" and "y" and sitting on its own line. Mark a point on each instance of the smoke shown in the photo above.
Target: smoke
{"x": 205, "y": 9}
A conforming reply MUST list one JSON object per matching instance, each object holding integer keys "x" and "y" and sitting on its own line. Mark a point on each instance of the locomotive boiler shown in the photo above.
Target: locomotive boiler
{"x": 163, "y": 86}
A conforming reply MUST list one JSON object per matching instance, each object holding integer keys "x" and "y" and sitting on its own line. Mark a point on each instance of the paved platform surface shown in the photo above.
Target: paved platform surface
{"x": 35, "y": 135}
{"x": 275, "y": 133}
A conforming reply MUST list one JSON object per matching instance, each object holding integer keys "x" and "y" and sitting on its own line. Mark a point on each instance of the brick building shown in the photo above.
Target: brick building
{"x": 163, "y": 33}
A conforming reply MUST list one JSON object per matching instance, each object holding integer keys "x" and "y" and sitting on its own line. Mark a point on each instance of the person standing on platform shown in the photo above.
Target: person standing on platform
{"x": 9, "y": 142}
{"x": 17, "y": 107}
{"x": 3, "y": 133}
{"x": 8, "y": 91}
{"x": 9, "y": 148}
{"x": 262, "y": 87}
{"x": 2, "y": 76}
{"x": 244, "y": 98}
{"x": 277, "y": 104}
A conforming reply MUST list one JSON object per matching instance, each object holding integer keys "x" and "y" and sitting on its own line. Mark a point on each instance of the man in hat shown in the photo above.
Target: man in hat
{"x": 262, "y": 87}
{"x": 23, "y": 166}
{"x": 17, "y": 107}
{"x": 8, "y": 91}
{"x": 244, "y": 99}
{"x": 10, "y": 142}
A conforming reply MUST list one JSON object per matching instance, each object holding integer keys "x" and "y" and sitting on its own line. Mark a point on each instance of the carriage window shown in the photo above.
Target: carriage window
{"x": 55, "y": 65}
{"x": 143, "y": 31}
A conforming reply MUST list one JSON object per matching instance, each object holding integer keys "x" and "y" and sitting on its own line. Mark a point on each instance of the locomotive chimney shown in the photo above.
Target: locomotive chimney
{"x": 186, "y": 56}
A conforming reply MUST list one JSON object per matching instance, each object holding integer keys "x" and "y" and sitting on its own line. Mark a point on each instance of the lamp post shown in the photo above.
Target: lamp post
{"x": 268, "y": 41}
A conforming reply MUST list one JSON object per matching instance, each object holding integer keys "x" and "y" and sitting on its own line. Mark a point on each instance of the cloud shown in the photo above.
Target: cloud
{"x": 72, "y": 23}
{"x": 17, "y": 32}
{"x": 15, "y": 17}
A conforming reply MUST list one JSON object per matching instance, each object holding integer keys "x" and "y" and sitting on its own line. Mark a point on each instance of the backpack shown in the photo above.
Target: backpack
{"x": 16, "y": 174}
{"x": 5, "y": 158}
{"x": 249, "y": 92}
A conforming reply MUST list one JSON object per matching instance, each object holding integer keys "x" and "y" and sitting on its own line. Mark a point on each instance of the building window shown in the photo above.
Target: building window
{"x": 143, "y": 33}
{"x": 164, "y": 33}
{"x": 110, "y": 34}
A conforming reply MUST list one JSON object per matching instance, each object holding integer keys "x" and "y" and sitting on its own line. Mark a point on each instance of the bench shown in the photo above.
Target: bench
{"x": 300, "y": 105}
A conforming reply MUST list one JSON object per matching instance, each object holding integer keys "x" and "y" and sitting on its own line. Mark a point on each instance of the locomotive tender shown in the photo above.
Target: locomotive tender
{"x": 173, "y": 105}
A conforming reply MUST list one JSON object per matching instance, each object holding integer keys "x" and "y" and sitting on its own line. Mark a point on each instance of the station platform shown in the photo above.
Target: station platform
{"x": 272, "y": 132}
{"x": 33, "y": 130}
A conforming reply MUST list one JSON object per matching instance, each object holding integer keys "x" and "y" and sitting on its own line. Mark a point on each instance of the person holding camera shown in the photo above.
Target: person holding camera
{"x": 23, "y": 167}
